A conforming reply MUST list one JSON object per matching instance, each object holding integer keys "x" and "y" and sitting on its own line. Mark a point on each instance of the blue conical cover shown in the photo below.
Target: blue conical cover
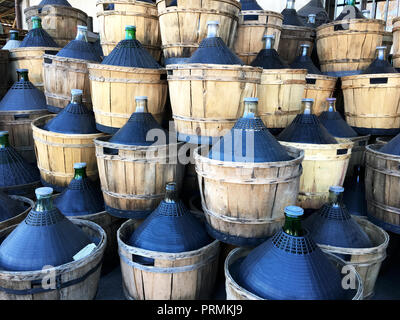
{"x": 336, "y": 125}
{"x": 392, "y": 147}
{"x": 333, "y": 226}
{"x": 131, "y": 53}
{"x": 291, "y": 18}
{"x": 350, "y": 12}
{"x": 98, "y": 48}
{"x": 380, "y": 66}
{"x": 286, "y": 267}
{"x": 12, "y": 44}
{"x": 14, "y": 170}
{"x": 305, "y": 62}
{"x": 135, "y": 131}
{"x": 79, "y": 49}
{"x": 82, "y": 197}
{"x": 23, "y": 96}
{"x": 269, "y": 59}
{"x": 306, "y": 128}
{"x": 38, "y": 38}
{"x": 250, "y": 5}
{"x": 75, "y": 118}
{"x": 9, "y": 208}
{"x": 249, "y": 141}
{"x": 55, "y": 2}
{"x": 170, "y": 228}
{"x": 214, "y": 51}
{"x": 42, "y": 239}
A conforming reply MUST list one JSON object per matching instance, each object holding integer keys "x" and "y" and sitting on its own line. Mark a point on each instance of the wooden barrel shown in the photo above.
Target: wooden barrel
{"x": 151, "y": 169}
{"x": 60, "y": 22}
{"x": 280, "y": 93}
{"x": 184, "y": 25}
{"x": 367, "y": 261}
{"x": 141, "y": 14}
{"x": 348, "y": 47}
{"x": 28, "y": 203}
{"x": 77, "y": 280}
{"x": 382, "y": 181}
{"x": 199, "y": 94}
{"x": 372, "y": 103}
{"x": 56, "y": 154}
{"x": 324, "y": 165}
{"x": 250, "y": 33}
{"x": 178, "y": 276}
{"x": 388, "y": 41}
{"x": 196, "y": 208}
{"x": 240, "y": 199}
{"x": 357, "y": 153}
{"x": 319, "y": 88}
{"x": 61, "y": 75}
{"x": 291, "y": 39}
{"x": 114, "y": 90}
{"x": 3, "y": 72}
{"x": 235, "y": 292}
{"x": 31, "y": 59}
{"x": 19, "y": 126}
{"x": 396, "y": 42}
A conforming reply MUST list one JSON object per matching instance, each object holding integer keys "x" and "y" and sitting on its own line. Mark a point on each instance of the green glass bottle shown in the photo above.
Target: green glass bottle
{"x": 36, "y": 23}
{"x": 44, "y": 199}
{"x": 351, "y": 3}
{"x": 336, "y": 196}
{"x": 82, "y": 33}
{"x": 307, "y": 105}
{"x": 293, "y": 219}
{"x": 250, "y": 107}
{"x": 80, "y": 171}
{"x": 4, "y": 142}
{"x": 14, "y": 35}
{"x": 130, "y": 33}
{"x": 171, "y": 193}
{"x": 23, "y": 74}
{"x": 76, "y": 96}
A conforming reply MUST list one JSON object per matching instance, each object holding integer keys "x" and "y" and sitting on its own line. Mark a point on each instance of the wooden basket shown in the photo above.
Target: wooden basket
{"x": 351, "y": 50}
{"x": 366, "y": 261}
{"x": 61, "y": 75}
{"x": 324, "y": 165}
{"x": 388, "y": 42}
{"x": 18, "y": 125}
{"x": 3, "y": 72}
{"x": 141, "y": 14}
{"x": 19, "y": 218}
{"x": 60, "y": 22}
{"x": 235, "y": 292}
{"x": 250, "y": 33}
{"x": 291, "y": 39}
{"x": 280, "y": 93}
{"x": 244, "y": 202}
{"x": 141, "y": 191}
{"x": 77, "y": 280}
{"x": 174, "y": 276}
{"x": 184, "y": 26}
{"x": 396, "y": 42}
{"x": 357, "y": 153}
{"x": 114, "y": 90}
{"x": 382, "y": 181}
{"x": 31, "y": 59}
{"x": 319, "y": 88}
{"x": 56, "y": 154}
{"x": 207, "y": 99}
{"x": 372, "y": 103}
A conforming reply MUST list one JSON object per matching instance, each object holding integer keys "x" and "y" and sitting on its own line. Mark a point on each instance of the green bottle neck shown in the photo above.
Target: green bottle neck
{"x": 130, "y": 35}
{"x": 293, "y": 226}
{"x": 4, "y": 142}
{"x": 80, "y": 174}
{"x": 14, "y": 36}
{"x": 44, "y": 204}
{"x": 36, "y": 24}
{"x": 23, "y": 76}
{"x": 351, "y": 3}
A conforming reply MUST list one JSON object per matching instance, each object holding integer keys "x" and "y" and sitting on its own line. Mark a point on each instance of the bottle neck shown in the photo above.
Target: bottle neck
{"x": 250, "y": 109}
{"x": 130, "y": 34}
{"x": 307, "y": 107}
{"x": 335, "y": 199}
{"x": 82, "y": 35}
{"x": 304, "y": 51}
{"x": 80, "y": 174}
{"x": 311, "y": 19}
{"x": 293, "y": 226}
{"x": 141, "y": 106}
{"x": 351, "y": 3}
{"x": 212, "y": 30}
{"x": 332, "y": 107}
{"x": 290, "y": 4}
{"x": 269, "y": 42}
{"x": 14, "y": 36}
{"x": 381, "y": 54}
{"x": 36, "y": 24}
{"x": 171, "y": 195}
{"x": 23, "y": 76}
{"x": 4, "y": 142}
{"x": 76, "y": 99}
{"x": 44, "y": 204}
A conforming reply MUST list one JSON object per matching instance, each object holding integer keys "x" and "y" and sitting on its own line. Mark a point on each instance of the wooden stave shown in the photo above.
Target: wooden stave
{"x": 20, "y": 217}
{"x": 320, "y": 91}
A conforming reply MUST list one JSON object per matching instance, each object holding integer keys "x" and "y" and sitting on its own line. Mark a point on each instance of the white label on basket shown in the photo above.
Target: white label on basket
{"x": 85, "y": 252}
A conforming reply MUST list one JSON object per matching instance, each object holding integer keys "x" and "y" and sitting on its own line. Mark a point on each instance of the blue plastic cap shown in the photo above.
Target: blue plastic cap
{"x": 294, "y": 211}
{"x": 36, "y": 18}
{"x": 83, "y": 28}
{"x": 22, "y": 70}
{"x": 269, "y": 36}
{"x": 141, "y": 98}
{"x": 213, "y": 23}
{"x": 330, "y": 99}
{"x": 128, "y": 28}
{"x": 304, "y": 45}
{"x": 14, "y": 31}
{"x": 250, "y": 99}
{"x": 307, "y": 100}
{"x": 3, "y": 133}
{"x": 43, "y": 192}
{"x": 80, "y": 165}
{"x": 171, "y": 186}
{"x": 336, "y": 189}
{"x": 76, "y": 92}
